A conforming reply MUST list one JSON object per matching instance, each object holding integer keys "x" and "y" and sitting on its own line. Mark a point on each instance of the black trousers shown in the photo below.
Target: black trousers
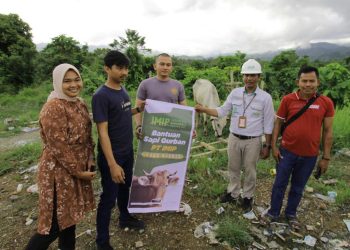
{"x": 111, "y": 192}
{"x": 66, "y": 237}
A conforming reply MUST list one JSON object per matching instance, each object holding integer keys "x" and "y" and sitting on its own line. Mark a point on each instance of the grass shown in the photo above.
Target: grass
{"x": 341, "y": 129}
{"x": 26, "y": 105}
{"x": 265, "y": 167}
{"x": 233, "y": 231}
{"x": 338, "y": 170}
{"x": 21, "y": 157}
{"x": 23, "y": 107}
{"x": 204, "y": 171}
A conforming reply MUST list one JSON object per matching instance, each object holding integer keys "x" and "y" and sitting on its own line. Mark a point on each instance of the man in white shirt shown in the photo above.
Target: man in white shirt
{"x": 252, "y": 115}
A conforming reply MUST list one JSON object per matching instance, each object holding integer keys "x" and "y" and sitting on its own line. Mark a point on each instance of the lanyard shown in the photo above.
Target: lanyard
{"x": 244, "y": 107}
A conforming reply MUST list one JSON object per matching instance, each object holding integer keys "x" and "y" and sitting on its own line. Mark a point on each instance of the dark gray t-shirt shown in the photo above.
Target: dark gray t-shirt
{"x": 171, "y": 91}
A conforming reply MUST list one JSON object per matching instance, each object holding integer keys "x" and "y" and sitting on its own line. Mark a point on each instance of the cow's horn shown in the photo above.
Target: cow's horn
{"x": 147, "y": 174}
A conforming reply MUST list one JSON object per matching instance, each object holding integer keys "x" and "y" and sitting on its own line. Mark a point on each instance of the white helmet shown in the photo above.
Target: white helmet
{"x": 251, "y": 67}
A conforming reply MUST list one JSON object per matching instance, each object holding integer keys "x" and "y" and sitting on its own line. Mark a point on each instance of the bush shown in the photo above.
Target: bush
{"x": 234, "y": 232}
{"x": 217, "y": 76}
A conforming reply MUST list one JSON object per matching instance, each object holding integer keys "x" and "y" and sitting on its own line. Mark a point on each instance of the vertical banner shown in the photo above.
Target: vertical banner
{"x": 162, "y": 157}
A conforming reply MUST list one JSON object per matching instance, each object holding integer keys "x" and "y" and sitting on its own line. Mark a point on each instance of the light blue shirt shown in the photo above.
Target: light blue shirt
{"x": 260, "y": 113}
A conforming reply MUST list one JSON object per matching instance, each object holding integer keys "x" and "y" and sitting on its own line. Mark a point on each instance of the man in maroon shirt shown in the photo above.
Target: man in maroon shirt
{"x": 300, "y": 143}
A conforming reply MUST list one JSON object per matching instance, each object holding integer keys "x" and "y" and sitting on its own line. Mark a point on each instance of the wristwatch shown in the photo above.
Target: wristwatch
{"x": 267, "y": 146}
{"x": 138, "y": 109}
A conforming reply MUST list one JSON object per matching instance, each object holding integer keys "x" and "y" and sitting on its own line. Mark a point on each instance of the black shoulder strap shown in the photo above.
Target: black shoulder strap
{"x": 300, "y": 112}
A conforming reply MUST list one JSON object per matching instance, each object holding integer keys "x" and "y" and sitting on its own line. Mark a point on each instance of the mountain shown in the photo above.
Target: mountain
{"x": 316, "y": 51}
{"x": 325, "y": 51}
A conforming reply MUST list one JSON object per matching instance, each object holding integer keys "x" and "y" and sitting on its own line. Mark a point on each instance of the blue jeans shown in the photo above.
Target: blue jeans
{"x": 299, "y": 168}
{"x": 111, "y": 192}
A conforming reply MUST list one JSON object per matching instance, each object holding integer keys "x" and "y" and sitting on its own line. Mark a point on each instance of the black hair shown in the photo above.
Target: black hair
{"x": 307, "y": 69}
{"x": 162, "y": 54}
{"x": 115, "y": 57}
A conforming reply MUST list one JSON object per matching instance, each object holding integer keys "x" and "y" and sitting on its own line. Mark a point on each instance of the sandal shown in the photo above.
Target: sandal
{"x": 294, "y": 223}
{"x": 267, "y": 219}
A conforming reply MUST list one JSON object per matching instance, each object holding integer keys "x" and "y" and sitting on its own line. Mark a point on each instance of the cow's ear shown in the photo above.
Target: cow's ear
{"x": 173, "y": 180}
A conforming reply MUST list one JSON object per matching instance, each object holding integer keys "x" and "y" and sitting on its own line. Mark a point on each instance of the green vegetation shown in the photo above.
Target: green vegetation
{"x": 17, "y": 54}
{"x": 23, "y": 107}
{"x": 23, "y": 157}
{"x": 234, "y": 232}
{"x": 204, "y": 173}
{"x": 341, "y": 130}
{"x": 335, "y": 80}
{"x": 338, "y": 170}
{"x": 133, "y": 44}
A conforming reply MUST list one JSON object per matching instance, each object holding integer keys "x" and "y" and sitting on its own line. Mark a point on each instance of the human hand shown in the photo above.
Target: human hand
{"x": 265, "y": 152}
{"x": 91, "y": 166}
{"x": 194, "y": 134}
{"x": 276, "y": 154}
{"x": 86, "y": 175}
{"x": 117, "y": 174}
{"x": 323, "y": 165}
{"x": 142, "y": 106}
{"x": 138, "y": 132}
{"x": 199, "y": 108}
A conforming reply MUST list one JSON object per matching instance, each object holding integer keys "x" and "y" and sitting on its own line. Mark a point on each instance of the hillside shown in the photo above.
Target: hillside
{"x": 316, "y": 51}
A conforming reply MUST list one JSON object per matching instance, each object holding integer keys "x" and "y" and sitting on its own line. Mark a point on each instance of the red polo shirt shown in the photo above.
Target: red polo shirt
{"x": 303, "y": 136}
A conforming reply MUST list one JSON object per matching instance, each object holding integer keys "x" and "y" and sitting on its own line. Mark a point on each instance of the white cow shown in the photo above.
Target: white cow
{"x": 205, "y": 93}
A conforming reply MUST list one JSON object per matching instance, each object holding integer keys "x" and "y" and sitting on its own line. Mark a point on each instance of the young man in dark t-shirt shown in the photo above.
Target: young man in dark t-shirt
{"x": 112, "y": 114}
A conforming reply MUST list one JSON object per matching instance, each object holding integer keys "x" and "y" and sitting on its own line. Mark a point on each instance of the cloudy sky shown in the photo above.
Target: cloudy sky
{"x": 189, "y": 27}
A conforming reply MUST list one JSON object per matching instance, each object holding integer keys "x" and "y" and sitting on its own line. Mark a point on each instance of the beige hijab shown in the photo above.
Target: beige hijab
{"x": 57, "y": 77}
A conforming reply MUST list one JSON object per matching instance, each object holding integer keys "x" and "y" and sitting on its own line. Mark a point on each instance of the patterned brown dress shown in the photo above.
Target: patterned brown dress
{"x": 66, "y": 134}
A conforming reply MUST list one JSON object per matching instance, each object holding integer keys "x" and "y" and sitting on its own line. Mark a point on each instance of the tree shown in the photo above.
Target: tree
{"x": 17, "y": 52}
{"x": 228, "y": 61}
{"x": 335, "y": 83}
{"x": 215, "y": 75}
{"x": 62, "y": 49}
{"x": 282, "y": 72}
{"x": 133, "y": 46}
{"x": 93, "y": 73}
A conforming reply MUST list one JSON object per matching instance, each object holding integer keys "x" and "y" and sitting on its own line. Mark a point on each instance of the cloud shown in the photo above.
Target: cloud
{"x": 190, "y": 27}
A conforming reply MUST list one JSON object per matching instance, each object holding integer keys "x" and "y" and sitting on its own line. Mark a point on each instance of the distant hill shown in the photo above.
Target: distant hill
{"x": 316, "y": 51}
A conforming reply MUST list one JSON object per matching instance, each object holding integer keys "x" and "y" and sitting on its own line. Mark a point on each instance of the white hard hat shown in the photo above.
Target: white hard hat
{"x": 251, "y": 67}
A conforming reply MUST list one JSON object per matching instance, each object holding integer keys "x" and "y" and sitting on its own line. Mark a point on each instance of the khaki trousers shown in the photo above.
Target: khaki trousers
{"x": 242, "y": 155}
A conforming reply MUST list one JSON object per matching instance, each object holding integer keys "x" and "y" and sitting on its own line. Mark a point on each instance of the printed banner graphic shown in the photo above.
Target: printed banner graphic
{"x": 162, "y": 157}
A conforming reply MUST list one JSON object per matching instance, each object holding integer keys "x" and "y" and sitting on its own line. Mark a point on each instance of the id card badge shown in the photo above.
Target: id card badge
{"x": 242, "y": 122}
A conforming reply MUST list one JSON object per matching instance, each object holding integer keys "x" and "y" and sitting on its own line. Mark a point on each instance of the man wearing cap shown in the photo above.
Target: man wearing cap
{"x": 252, "y": 115}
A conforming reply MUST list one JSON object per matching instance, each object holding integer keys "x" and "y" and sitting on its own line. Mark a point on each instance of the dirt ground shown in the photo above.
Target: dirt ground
{"x": 169, "y": 230}
{"x": 19, "y": 139}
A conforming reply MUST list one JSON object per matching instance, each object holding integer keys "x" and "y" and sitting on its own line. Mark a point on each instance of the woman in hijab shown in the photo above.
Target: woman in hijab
{"x": 66, "y": 164}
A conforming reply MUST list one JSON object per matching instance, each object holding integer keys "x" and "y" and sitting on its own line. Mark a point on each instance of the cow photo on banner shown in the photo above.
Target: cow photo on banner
{"x": 162, "y": 157}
